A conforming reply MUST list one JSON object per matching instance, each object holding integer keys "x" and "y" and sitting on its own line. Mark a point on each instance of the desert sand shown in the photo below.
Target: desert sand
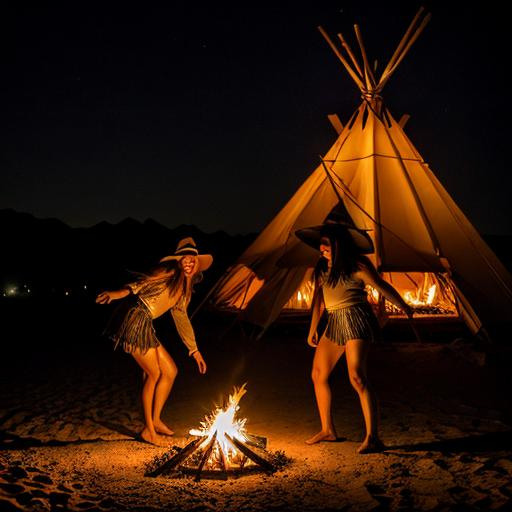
{"x": 69, "y": 417}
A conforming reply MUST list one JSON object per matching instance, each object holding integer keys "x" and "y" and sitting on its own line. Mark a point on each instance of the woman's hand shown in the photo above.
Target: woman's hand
{"x": 313, "y": 339}
{"x": 107, "y": 297}
{"x": 201, "y": 365}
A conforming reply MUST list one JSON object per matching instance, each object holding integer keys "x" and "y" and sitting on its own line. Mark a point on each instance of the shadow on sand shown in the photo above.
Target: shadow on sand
{"x": 490, "y": 442}
{"x": 10, "y": 441}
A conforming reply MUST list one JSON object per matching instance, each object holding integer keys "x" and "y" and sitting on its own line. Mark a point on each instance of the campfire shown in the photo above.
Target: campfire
{"x": 220, "y": 446}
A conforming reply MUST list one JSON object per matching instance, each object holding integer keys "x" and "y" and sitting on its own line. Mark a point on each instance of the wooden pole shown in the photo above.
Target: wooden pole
{"x": 385, "y": 76}
{"x": 370, "y": 79}
{"x": 351, "y": 72}
{"x": 402, "y": 42}
{"x": 350, "y": 54}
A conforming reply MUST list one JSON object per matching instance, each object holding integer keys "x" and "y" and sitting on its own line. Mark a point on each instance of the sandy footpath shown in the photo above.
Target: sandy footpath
{"x": 67, "y": 430}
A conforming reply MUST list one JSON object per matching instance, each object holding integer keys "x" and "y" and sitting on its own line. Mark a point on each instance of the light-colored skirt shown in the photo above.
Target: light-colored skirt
{"x": 131, "y": 326}
{"x": 352, "y": 323}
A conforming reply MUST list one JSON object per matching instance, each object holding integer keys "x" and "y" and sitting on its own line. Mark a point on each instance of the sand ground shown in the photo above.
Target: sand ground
{"x": 68, "y": 420}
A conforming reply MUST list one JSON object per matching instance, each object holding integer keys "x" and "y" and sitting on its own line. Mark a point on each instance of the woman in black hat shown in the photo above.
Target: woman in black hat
{"x": 340, "y": 278}
{"x": 167, "y": 287}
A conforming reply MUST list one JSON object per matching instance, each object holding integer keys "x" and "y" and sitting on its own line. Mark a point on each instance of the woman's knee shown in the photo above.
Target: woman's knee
{"x": 318, "y": 375}
{"x": 170, "y": 371}
{"x": 166, "y": 363}
{"x": 358, "y": 380}
{"x": 153, "y": 374}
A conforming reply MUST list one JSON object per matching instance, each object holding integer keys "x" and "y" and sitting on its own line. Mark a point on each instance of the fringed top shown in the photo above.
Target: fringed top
{"x": 156, "y": 296}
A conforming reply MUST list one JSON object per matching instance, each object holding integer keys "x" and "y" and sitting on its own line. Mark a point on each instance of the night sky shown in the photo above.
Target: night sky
{"x": 215, "y": 115}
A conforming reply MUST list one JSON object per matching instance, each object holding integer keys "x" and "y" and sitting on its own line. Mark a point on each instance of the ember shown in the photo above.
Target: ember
{"x": 221, "y": 446}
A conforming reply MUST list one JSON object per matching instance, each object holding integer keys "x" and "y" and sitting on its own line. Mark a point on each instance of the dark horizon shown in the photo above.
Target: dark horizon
{"x": 194, "y": 115}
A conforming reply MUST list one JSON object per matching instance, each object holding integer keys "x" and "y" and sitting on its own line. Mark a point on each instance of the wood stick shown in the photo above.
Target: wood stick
{"x": 265, "y": 464}
{"x": 402, "y": 43}
{"x": 368, "y": 75}
{"x": 223, "y": 460}
{"x": 206, "y": 455}
{"x": 351, "y": 72}
{"x": 350, "y": 54}
{"x": 178, "y": 458}
{"x": 386, "y": 75}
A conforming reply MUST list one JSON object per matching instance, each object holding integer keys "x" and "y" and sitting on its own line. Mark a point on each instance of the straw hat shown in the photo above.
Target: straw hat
{"x": 187, "y": 247}
{"x": 312, "y": 235}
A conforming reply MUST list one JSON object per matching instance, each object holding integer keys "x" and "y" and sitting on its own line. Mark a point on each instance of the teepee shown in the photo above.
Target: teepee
{"x": 424, "y": 245}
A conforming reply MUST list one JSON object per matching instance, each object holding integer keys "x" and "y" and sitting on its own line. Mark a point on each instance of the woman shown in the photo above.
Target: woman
{"x": 167, "y": 287}
{"x": 340, "y": 278}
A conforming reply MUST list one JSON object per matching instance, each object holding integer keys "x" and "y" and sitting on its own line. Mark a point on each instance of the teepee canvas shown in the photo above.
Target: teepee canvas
{"x": 424, "y": 245}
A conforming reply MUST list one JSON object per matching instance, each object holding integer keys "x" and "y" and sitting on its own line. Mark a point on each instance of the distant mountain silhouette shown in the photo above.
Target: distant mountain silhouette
{"x": 49, "y": 254}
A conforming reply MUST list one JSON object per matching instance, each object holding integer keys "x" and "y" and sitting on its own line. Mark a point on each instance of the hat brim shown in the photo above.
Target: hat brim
{"x": 312, "y": 236}
{"x": 205, "y": 260}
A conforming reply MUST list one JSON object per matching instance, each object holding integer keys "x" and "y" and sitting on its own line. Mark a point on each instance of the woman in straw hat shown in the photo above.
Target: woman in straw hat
{"x": 340, "y": 278}
{"x": 166, "y": 287}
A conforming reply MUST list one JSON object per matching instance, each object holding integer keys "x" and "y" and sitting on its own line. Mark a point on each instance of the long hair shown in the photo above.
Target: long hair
{"x": 345, "y": 255}
{"x": 173, "y": 280}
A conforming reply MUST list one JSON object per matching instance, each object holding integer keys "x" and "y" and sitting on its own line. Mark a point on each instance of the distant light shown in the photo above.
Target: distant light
{"x": 85, "y": 287}
{"x": 66, "y": 293}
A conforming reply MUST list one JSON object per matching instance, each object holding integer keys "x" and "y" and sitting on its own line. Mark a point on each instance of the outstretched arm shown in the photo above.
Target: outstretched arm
{"x": 317, "y": 309}
{"x": 107, "y": 297}
{"x": 370, "y": 276}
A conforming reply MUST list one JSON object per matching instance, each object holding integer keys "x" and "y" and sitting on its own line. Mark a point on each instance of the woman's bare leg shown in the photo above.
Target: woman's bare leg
{"x": 357, "y": 355}
{"x": 149, "y": 364}
{"x": 327, "y": 354}
{"x": 168, "y": 372}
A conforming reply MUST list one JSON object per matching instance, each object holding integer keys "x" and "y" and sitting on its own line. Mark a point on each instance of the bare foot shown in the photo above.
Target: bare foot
{"x": 162, "y": 428}
{"x": 322, "y": 436}
{"x": 371, "y": 445}
{"x": 152, "y": 438}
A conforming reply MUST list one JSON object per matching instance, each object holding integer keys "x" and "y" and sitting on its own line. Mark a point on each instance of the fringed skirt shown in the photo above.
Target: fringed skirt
{"x": 352, "y": 323}
{"x": 131, "y": 326}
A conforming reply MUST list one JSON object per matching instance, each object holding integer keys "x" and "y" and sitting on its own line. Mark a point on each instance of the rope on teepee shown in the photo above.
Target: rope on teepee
{"x": 349, "y": 196}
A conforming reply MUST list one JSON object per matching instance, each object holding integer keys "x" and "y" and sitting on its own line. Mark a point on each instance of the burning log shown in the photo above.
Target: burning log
{"x": 206, "y": 455}
{"x": 177, "y": 459}
{"x": 265, "y": 464}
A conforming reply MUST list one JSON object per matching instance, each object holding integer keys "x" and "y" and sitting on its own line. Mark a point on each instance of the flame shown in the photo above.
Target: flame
{"x": 415, "y": 300}
{"x": 428, "y": 293}
{"x": 373, "y": 294}
{"x": 222, "y": 421}
{"x": 302, "y": 298}
{"x": 431, "y": 294}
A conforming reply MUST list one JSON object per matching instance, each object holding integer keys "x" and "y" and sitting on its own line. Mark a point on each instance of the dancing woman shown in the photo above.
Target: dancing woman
{"x": 340, "y": 278}
{"x": 166, "y": 287}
